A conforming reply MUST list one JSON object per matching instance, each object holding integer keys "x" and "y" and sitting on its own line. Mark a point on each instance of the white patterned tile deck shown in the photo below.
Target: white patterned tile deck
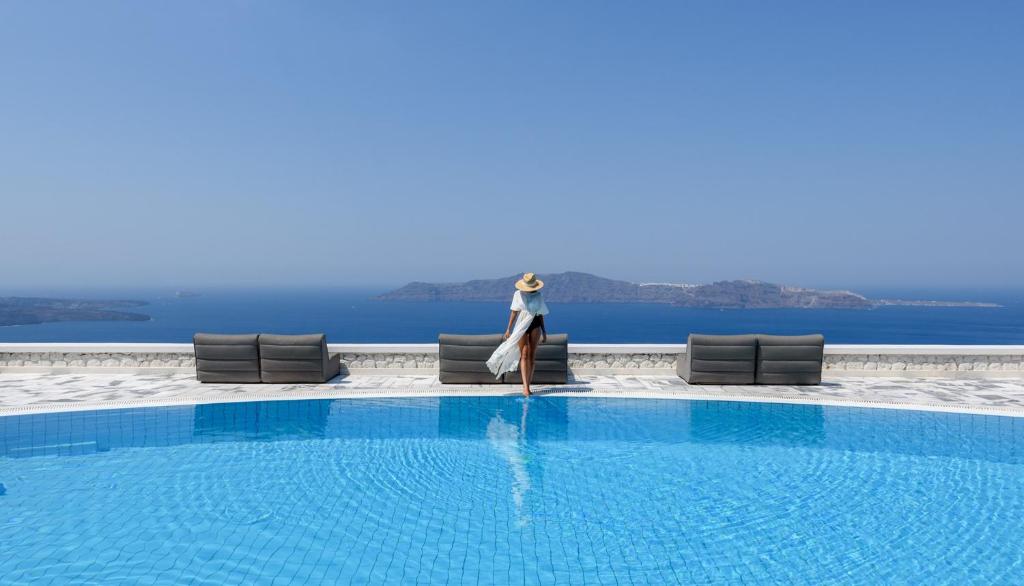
{"x": 33, "y": 393}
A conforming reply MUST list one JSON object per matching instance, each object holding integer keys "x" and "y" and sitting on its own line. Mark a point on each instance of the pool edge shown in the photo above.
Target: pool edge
{"x": 276, "y": 395}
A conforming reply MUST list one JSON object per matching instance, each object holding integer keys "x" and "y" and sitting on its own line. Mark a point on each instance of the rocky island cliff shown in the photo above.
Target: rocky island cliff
{"x": 576, "y": 287}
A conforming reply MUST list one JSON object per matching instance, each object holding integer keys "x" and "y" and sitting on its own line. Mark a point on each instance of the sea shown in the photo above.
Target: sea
{"x": 352, "y": 316}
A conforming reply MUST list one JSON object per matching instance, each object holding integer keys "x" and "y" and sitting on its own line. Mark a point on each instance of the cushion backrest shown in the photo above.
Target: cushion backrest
{"x": 721, "y": 359}
{"x": 463, "y": 358}
{"x": 301, "y": 358}
{"x": 790, "y": 360}
{"x": 227, "y": 357}
{"x": 552, "y": 363}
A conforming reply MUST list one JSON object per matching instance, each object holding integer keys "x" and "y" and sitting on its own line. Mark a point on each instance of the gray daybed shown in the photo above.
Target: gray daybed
{"x": 789, "y": 360}
{"x": 752, "y": 359}
{"x": 463, "y": 360}
{"x": 267, "y": 358}
{"x": 297, "y": 359}
{"x": 227, "y": 358}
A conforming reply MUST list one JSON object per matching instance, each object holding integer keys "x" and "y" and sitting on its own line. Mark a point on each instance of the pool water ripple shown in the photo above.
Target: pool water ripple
{"x": 501, "y": 490}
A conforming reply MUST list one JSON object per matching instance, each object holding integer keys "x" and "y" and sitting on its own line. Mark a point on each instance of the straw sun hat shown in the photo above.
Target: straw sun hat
{"x": 529, "y": 282}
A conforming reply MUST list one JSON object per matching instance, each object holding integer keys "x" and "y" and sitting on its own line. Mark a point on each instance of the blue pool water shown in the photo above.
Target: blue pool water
{"x": 502, "y": 490}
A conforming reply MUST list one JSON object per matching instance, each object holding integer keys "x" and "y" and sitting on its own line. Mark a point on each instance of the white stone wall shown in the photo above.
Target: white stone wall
{"x": 353, "y": 361}
{"x": 937, "y": 361}
{"x": 923, "y": 364}
{"x": 186, "y": 360}
{"x": 389, "y": 360}
{"x": 619, "y": 360}
{"x": 98, "y": 359}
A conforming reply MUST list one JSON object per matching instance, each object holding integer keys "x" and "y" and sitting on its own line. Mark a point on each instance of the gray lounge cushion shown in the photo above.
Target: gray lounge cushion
{"x": 296, "y": 359}
{"x": 463, "y": 358}
{"x": 227, "y": 358}
{"x": 719, "y": 359}
{"x": 789, "y": 360}
{"x": 552, "y": 363}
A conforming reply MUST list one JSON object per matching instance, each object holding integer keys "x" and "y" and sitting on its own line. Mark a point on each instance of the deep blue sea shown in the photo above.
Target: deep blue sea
{"x": 350, "y": 316}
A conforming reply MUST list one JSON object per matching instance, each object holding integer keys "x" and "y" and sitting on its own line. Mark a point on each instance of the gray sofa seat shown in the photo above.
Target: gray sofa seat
{"x": 463, "y": 360}
{"x": 789, "y": 360}
{"x": 297, "y": 359}
{"x": 552, "y": 364}
{"x": 753, "y": 358}
{"x": 719, "y": 359}
{"x": 227, "y": 358}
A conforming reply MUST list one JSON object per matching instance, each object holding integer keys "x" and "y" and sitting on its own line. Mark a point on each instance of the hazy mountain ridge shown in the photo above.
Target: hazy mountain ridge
{"x": 576, "y": 287}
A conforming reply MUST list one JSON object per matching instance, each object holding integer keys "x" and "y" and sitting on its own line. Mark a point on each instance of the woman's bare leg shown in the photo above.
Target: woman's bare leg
{"x": 524, "y": 363}
{"x": 534, "y": 339}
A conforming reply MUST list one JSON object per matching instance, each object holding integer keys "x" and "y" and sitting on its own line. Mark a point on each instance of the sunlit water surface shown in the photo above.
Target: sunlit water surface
{"x": 502, "y": 490}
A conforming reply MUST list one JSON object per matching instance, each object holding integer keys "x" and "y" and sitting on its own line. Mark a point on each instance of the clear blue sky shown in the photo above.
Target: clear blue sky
{"x": 810, "y": 143}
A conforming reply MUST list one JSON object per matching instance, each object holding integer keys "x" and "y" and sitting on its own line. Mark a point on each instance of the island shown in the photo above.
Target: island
{"x": 577, "y": 287}
{"x": 21, "y": 311}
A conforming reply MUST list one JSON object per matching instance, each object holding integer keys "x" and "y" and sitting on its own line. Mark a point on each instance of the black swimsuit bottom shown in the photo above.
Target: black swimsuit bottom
{"x": 537, "y": 323}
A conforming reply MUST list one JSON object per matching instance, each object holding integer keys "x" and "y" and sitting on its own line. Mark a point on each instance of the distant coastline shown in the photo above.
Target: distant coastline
{"x": 22, "y": 311}
{"x": 923, "y": 303}
{"x": 576, "y": 287}
{"x": 348, "y": 315}
{"x": 568, "y": 288}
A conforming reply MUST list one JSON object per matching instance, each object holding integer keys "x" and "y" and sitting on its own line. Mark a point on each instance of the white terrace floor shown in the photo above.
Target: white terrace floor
{"x": 36, "y": 393}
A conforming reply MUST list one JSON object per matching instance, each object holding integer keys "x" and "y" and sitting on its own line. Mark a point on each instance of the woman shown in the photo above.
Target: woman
{"x": 521, "y": 340}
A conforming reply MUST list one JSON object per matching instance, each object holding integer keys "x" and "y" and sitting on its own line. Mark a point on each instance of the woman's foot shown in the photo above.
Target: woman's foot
{"x": 526, "y": 391}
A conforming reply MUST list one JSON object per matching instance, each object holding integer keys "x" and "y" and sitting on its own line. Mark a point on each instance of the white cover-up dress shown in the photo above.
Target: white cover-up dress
{"x": 506, "y": 356}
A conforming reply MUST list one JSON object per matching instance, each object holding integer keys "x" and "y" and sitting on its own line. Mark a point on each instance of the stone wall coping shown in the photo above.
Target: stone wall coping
{"x": 97, "y": 347}
{"x": 383, "y": 348}
{"x": 830, "y": 349}
{"x": 627, "y": 348}
{"x": 926, "y": 349}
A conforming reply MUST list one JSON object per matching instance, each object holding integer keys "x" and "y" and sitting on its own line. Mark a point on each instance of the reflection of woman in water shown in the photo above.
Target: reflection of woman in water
{"x": 520, "y": 346}
{"x": 510, "y": 442}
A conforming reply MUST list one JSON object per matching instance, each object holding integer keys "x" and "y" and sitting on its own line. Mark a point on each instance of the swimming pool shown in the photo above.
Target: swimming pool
{"x": 502, "y": 490}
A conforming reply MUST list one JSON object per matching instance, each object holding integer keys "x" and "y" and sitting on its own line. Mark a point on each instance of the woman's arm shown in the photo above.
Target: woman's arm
{"x": 543, "y": 330}
{"x": 511, "y": 320}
